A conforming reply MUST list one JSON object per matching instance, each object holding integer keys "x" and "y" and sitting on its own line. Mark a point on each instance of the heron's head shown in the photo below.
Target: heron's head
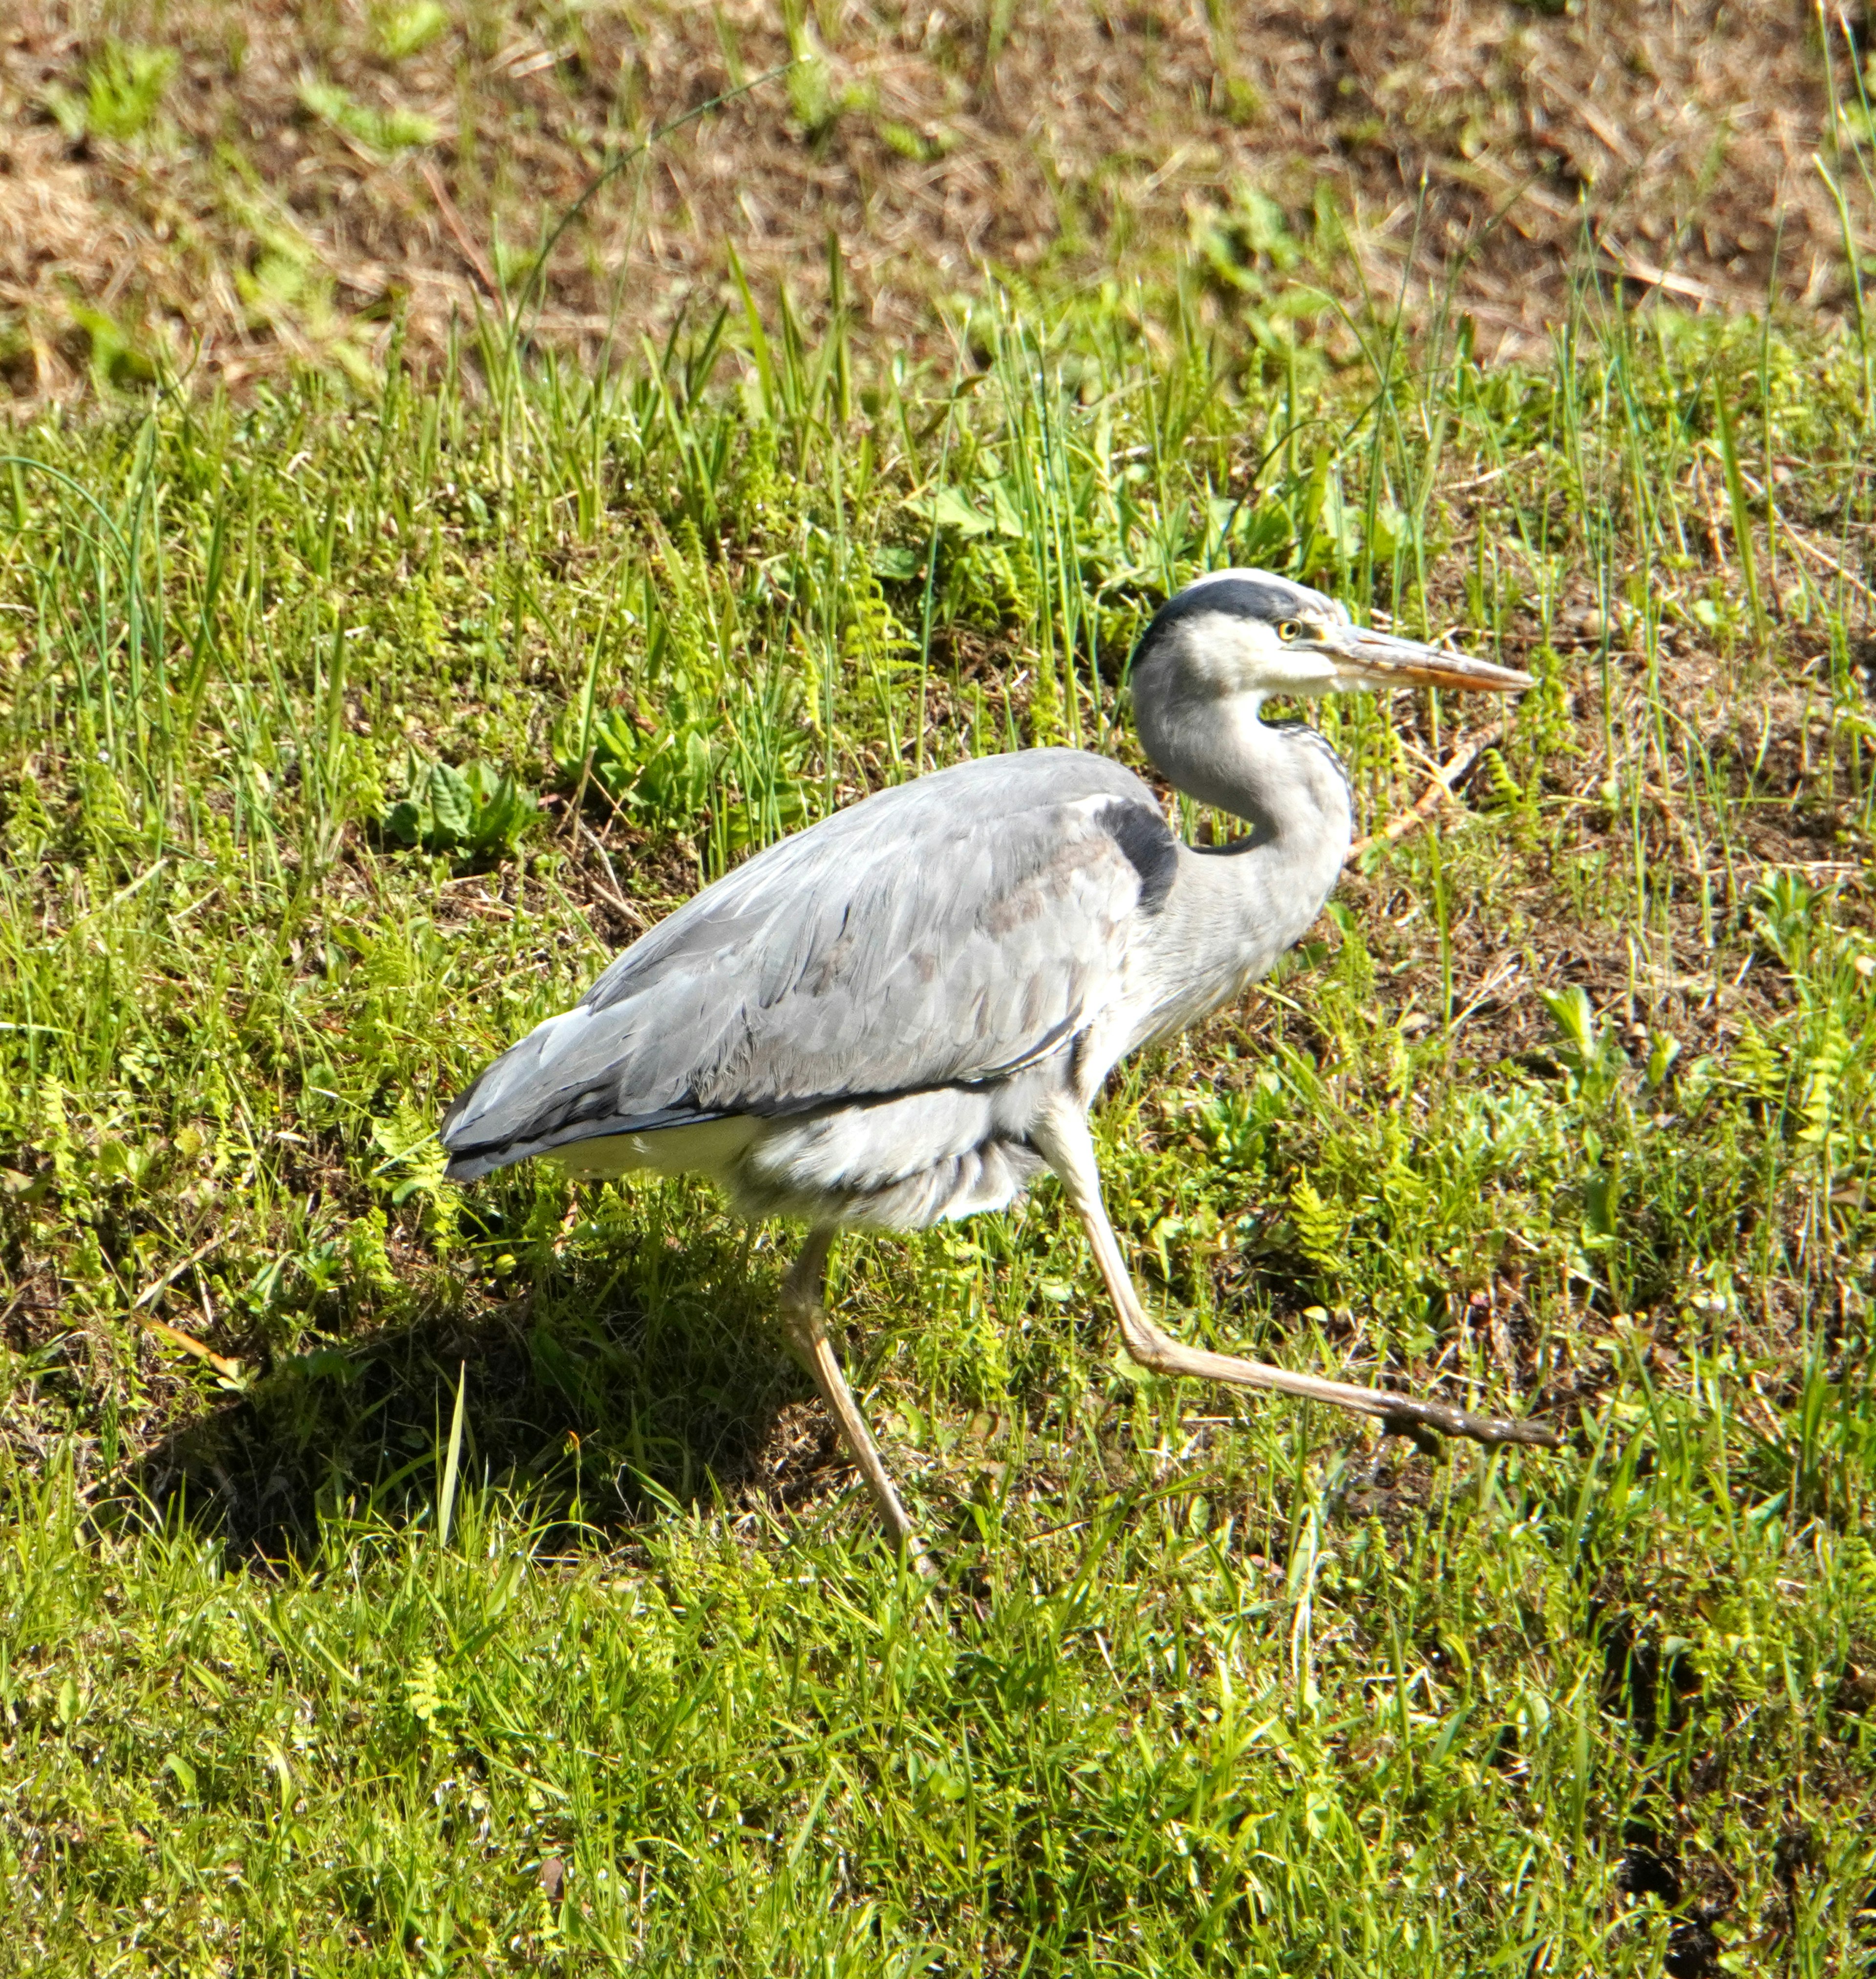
{"x": 1246, "y": 633}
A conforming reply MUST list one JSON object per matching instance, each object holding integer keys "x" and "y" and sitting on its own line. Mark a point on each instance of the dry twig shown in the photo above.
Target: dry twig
{"x": 1439, "y": 791}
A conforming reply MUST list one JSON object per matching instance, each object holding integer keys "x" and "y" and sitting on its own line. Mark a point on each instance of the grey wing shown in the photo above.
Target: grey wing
{"x": 946, "y": 931}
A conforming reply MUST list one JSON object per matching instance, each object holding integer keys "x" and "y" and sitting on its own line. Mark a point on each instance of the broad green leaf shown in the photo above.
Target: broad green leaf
{"x": 453, "y": 803}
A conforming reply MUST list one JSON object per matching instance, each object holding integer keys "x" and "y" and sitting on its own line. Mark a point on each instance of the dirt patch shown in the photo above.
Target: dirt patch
{"x": 287, "y": 184}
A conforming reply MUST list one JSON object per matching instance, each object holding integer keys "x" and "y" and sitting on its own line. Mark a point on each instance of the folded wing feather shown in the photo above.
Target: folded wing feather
{"x": 944, "y": 931}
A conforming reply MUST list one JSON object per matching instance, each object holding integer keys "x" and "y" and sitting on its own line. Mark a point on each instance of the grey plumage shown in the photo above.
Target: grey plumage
{"x": 814, "y": 973}
{"x": 903, "y": 1012}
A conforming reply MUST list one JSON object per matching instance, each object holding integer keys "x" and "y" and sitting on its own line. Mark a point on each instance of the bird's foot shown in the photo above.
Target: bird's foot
{"x": 1426, "y": 1422}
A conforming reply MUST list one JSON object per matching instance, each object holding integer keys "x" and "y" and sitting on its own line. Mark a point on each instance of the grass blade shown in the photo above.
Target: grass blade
{"x": 1741, "y": 514}
{"x": 452, "y": 1461}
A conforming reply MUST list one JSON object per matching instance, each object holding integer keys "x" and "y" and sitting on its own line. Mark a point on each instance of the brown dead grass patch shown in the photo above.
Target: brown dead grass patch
{"x": 1492, "y": 148}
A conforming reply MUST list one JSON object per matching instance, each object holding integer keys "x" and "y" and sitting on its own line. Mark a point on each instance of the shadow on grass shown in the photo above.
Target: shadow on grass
{"x": 612, "y": 1389}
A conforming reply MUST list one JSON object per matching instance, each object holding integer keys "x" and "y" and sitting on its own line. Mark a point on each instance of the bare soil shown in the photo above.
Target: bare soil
{"x": 1495, "y": 152}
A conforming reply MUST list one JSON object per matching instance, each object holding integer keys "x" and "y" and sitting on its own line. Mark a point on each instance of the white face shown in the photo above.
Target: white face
{"x": 1225, "y": 654}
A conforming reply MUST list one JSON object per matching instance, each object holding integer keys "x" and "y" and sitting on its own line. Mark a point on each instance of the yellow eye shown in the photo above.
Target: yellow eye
{"x": 1289, "y": 629}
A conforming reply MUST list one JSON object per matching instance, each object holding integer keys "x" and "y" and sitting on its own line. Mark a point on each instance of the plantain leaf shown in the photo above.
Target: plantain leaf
{"x": 453, "y": 803}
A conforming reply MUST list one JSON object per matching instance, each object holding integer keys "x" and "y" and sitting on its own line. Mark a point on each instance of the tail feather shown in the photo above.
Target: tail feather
{"x": 515, "y": 1109}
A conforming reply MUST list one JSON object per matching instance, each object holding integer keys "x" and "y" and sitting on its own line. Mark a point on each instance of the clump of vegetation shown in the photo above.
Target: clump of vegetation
{"x": 406, "y": 29}
{"x": 662, "y": 771}
{"x": 476, "y": 809}
{"x": 396, "y": 129}
{"x": 124, "y": 85}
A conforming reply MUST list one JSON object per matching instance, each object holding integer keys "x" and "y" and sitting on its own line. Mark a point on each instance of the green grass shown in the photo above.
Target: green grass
{"x": 495, "y": 1600}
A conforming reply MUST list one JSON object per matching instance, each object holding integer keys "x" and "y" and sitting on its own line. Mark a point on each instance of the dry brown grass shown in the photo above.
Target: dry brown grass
{"x": 1671, "y": 144}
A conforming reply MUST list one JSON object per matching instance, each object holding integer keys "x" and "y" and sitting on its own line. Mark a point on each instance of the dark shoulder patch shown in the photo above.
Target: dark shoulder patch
{"x": 1150, "y": 847}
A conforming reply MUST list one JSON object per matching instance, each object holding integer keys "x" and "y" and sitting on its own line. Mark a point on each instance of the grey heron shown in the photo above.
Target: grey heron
{"x": 903, "y": 1013}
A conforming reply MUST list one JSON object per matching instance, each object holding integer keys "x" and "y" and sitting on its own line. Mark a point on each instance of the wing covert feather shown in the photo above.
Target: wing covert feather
{"x": 943, "y": 931}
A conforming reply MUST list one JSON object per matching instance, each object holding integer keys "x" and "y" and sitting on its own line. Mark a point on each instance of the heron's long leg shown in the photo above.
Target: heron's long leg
{"x": 805, "y": 1318}
{"x": 1065, "y": 1143}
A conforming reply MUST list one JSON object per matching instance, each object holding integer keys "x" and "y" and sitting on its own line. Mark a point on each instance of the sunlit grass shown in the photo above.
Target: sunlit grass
{"x": 1566, "y": 1107}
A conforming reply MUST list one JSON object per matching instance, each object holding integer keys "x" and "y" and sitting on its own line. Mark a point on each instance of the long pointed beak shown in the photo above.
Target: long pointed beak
{"x": 1378, "y": 659}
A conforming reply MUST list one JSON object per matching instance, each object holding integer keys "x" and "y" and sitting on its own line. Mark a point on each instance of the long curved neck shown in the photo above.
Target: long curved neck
{"x": 1286, "y": 783}
{"x": 1233, "y": 911}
